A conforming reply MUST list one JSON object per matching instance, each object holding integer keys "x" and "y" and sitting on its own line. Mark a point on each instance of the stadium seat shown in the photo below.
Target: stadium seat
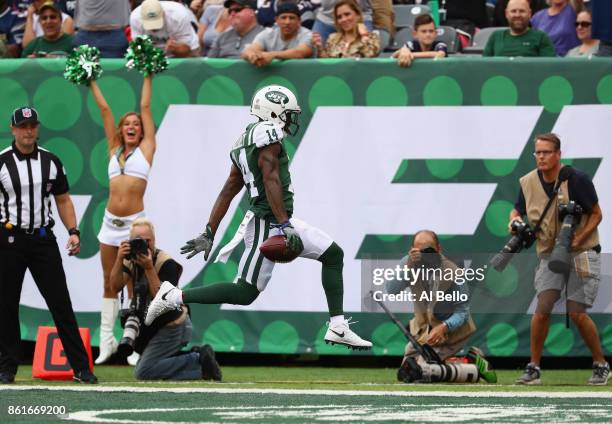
{"x": 405, "y": 14}
{"x": 385, "y": 39}
{"x": 449, "y": 36}
{"x": 400, "y": 39}
{"x": 480, "y": 40}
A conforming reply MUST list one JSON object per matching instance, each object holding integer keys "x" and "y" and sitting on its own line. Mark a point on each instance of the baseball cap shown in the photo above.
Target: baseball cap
{"x": 51, "y": 4}
{"x": 152, "y": 15}
{"x": 246, "y": 3}
{"x": 22, "y": 115}
{"x": 287, "y": 7}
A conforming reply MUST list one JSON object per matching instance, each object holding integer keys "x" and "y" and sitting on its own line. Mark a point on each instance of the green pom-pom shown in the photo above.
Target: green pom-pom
{"x": 143, "y": 56}
{"x": 83, "y": 65}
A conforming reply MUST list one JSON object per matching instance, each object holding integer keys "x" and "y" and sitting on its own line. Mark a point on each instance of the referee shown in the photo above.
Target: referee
{"x": 29, "y": 175}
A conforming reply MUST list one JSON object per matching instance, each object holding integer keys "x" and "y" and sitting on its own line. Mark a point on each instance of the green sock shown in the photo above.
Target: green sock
{"x": 331, "y": 276}
{"x": 241, "y": 293}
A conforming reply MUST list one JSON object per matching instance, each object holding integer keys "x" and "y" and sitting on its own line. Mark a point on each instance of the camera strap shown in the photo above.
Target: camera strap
{"x": 547, "y": 207}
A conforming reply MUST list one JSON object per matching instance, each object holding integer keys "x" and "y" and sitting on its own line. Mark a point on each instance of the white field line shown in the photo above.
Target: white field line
{"x": 475, "y": 394}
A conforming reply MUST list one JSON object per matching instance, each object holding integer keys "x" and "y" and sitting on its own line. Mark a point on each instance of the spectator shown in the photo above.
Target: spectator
{"x": 466, "y": 15}
{"x": 213, "y": 22}
{"x": 197, "y": 7}
{"x": 67, "y": 6}
{"x": 11, "y": 29}
{"x": 244, "y": 28}
{"x": 351, "y": 38}
{"x": 101, "y": 24}
{"x": 589, "y": 46}
{"x": 33, "y": 27}
{"x": 383, "y": 16}
{"x": 3, "y": 49}
{"x": 499, "y": 16}
{"x": 171, "y": 26}
{"x": 602, "y": 26}
{"x": 287, "y": 40}
{"x": 558, "y": 22}
{"x": 519, "y": 40}
{"x": 324, "y": 23}
{"x": 266, "y": 11}
{"x": 158, "y": 343}
{"x": 424, "y": 44}
{"x": 54, "y": 42}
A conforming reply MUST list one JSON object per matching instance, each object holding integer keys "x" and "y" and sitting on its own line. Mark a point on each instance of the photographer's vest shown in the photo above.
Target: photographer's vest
{"x": 424, "y": 319}
{"x": 535, "y": 202}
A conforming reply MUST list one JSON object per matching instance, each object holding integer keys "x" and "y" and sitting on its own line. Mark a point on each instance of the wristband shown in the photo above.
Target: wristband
{"x": 74, "y": 232}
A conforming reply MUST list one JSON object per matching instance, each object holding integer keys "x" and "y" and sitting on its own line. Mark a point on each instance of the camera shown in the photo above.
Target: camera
{"x": 523, "y": 238}
{"x": 430, "y": 258}
{"x": 131, "y": 329}
{"x": 560, "y": 258}
{"x": 132, "y": 318}
{"x": 138, "y": 246}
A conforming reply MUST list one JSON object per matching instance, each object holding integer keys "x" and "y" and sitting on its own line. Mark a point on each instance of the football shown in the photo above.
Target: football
{"x": 276, "y": 249}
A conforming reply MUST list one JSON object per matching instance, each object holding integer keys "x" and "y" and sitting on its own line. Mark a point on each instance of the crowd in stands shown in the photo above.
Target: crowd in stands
{"x": 262, "y": 30}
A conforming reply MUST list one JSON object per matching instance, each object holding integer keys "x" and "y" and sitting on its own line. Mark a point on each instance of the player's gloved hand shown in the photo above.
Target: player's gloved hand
{"x": 293, "y": 239}
{"x": 202, "y": 243}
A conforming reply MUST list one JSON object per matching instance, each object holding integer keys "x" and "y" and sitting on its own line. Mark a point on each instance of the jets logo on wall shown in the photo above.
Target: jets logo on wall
{"x": 277, "y": 97}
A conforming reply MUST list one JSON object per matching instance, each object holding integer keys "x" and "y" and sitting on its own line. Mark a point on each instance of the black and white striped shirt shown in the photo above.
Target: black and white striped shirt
{"x": 27, "y": 182}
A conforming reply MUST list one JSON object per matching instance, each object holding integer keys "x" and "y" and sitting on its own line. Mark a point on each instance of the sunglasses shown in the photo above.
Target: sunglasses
{"x": 235, "y": 10}
{"x": 583, "y": 24}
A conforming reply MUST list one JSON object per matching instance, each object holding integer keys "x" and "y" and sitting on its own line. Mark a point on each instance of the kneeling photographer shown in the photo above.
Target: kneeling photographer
{"x": 441, "y": 326}
{"x": 561, "y": 204}
{"x": 142, "y": 266}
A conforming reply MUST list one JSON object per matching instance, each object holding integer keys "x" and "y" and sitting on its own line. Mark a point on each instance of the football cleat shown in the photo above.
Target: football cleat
{"x": 601, "y": 373}
{"x": 530, "y": 376}
{"x": 342, "y": 334}
{"x": 485, "y": 369}
{"x": 162, "y": 302}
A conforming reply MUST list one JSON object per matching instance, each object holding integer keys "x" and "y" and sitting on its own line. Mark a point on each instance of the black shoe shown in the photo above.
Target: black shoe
{"x": 7, "y": 377}
{"x": 85, "y": 377}
{"x": 210, "y": 366}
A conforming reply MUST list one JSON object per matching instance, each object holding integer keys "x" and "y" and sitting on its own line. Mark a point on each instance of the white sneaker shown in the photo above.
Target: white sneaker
{"x": 162, "y": 303}
{"x": 342, "y": 334}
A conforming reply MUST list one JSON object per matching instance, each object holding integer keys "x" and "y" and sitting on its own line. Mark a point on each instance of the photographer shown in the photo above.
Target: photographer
{"x": 537, "y": 190}
{"x": 444, "y": 325}
{"x": 141, "y": 265}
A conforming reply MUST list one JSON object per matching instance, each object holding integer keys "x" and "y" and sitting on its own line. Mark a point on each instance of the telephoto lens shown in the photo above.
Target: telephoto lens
{"x": 523, "y": 238}
{"x": 560, "y": 258}
{"x": 130, "y": 333}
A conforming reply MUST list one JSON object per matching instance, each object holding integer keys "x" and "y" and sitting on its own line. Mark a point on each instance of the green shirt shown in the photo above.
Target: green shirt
{"x": 245, "y": 155}
{"x": 533, "y": 43}
{"x": 40, "y": 46}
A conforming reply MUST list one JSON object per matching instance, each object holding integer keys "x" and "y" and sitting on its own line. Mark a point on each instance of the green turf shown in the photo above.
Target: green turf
{"x": 358, "y": 395}
{"x": 296, "y": 377}
{"x": 268, "y": 408}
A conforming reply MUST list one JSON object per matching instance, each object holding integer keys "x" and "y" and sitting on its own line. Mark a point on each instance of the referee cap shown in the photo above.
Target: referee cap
{"x": 22, "y": 115}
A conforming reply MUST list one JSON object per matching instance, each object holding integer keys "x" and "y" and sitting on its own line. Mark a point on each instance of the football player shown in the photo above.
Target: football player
{"x": 260, "y": 164}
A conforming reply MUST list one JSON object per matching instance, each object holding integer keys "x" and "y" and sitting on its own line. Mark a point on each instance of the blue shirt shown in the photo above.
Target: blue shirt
{"x": 602, "y": 21}
{"x": 12, "y": 26}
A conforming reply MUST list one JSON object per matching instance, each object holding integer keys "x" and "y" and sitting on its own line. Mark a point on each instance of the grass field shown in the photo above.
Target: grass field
{"x": 306, "y": 394}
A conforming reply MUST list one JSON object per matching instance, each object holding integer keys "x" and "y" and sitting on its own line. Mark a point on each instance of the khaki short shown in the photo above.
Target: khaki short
{"x": 583, "y": 281}
{"x": 444, "y": 351}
